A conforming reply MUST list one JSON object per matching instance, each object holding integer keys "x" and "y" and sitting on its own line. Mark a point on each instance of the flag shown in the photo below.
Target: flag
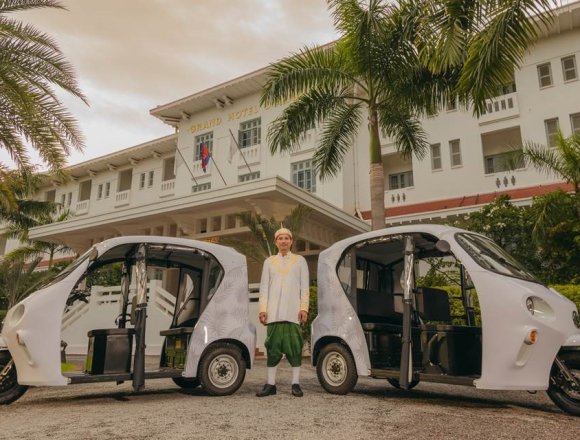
{"x": 204, "y": 157}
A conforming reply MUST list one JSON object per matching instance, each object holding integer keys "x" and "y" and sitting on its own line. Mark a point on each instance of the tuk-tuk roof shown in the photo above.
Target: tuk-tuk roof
{"x": 332, "y": 254}
{"x": 226, "y": 256}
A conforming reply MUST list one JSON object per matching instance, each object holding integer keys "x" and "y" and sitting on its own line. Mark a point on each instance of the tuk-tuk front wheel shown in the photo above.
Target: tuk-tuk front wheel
{"x": 336, "y": 369}
{"x": 222, "y": 369}
{"x": 10, "y": 390}
{"x": 564, "y": 392}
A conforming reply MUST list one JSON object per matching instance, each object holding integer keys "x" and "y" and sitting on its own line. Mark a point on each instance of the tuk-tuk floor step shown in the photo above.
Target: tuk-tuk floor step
{"x": 79, "y": 377}
{"x": 438, "y": 378}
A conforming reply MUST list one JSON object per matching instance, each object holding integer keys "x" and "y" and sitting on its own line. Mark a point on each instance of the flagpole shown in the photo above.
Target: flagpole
{"x": 240, "y": 150}
{"x": 187, "y": 166}
{"x": 218, "y": 170}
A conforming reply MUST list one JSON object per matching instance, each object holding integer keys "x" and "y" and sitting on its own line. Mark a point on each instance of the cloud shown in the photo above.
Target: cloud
{"x": 133, "y": 55}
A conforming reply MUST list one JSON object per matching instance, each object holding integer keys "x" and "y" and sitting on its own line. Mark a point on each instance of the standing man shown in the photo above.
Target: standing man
{"x": 284, "y": 296}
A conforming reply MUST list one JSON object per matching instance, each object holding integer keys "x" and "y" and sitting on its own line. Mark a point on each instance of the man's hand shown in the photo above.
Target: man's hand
{"x": 302, "y": 316}
{"x": 263, "y": 318}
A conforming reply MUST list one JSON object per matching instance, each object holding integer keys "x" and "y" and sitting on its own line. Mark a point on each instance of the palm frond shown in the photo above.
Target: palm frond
{"x": 410, "y": 138}
{"x": 311, "y": 68}
{"x": 336, "y": 138}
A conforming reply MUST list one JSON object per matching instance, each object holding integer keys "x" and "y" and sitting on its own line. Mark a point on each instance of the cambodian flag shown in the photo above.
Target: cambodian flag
{"x": 204, "y": 157}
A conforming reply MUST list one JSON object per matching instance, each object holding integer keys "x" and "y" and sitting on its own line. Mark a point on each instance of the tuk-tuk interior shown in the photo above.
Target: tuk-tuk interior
{"x": 188, "y": 274}
{"x": 445, "y": 332}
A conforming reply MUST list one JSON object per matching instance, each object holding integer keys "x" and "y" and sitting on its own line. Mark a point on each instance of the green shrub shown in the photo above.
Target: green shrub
{"x": 570, "y": 291}
{"x": 2, "y": 314}
{"x": 312, "y": 312}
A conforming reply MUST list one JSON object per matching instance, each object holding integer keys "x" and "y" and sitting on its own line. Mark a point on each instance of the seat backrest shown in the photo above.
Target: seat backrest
{"x": 433, "y": 304}
{"x": 375, "y": 304}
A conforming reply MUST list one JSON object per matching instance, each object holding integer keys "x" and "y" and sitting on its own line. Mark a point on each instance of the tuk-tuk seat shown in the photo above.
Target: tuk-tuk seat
{"x": 374, "y": 306}
{"x": 433, "y": 304}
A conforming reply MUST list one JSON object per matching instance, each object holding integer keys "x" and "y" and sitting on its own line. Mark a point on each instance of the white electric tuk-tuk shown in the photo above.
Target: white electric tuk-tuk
{"x": 209, "y": 341}
{"x": 440, "y": 304}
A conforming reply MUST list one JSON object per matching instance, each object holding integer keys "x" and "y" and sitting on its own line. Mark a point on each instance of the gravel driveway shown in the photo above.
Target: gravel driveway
{"x": 374, "y": 410}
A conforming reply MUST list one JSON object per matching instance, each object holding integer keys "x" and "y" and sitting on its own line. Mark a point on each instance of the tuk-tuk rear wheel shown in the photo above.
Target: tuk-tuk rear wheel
{"x": 222, "y": 369}
{"x": 336, "y": 369}
{"x": 563, "y": 393}
{"x": 10, "y": 390}
{"x": 188, "y": 383}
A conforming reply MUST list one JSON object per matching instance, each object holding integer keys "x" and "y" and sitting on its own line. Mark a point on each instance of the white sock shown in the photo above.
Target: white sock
{"x": 272, "y": 375}
{"x": 295, "y": 375}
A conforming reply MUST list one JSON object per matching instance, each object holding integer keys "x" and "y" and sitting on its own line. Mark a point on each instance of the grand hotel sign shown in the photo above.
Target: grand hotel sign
{"x": 217, "y": 121}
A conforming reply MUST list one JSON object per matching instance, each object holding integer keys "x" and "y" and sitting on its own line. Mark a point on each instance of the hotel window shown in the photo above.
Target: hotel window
{"x": 250, "y": 176}
{"x": 569, "y": 68}
{"x": 250, "y": 133}
{"x": 545, "y": 75}
{"x": 169, "y": 168}
{"x": 100, "y": 192}
{"x": 50, "y": 196}
{"x": 142, "y": 177}
{"x": 436, "y": 157}
{"x": 496, "y": 163}
{"x": 107, "y": 189}
{"x": 207, "y": 139}
{"x": 69, "y": 199}
{"x": 63, "y": 199}
{"x": 85, "y": 190}
{"x": 303, "y": 175}
{"x": 575, "y": 122}
{"x": 125, "y": 180}
{"x": 150, "y": 179}
{"x": 455, "y": 152}
{"x": 551, "y": 126}
{"x": 401, "y": 180}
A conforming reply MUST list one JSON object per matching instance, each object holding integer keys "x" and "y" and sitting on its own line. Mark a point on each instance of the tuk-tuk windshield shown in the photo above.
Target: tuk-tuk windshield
{"x": 491, "y": 256}
{"x": 67, "y": 270}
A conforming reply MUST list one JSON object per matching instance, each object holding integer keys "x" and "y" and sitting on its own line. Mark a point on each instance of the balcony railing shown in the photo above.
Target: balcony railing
{"x": 122, "y": 198}
{"x": 167, "y": 188}
{"x": 500, "y": 107}
{"x": 401, "y": 196}
{"x": 251, "y": 154}
{"x": 82, "y": 207}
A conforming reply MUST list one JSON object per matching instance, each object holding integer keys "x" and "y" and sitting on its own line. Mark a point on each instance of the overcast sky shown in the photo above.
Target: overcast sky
{"x": 132, "y": 55}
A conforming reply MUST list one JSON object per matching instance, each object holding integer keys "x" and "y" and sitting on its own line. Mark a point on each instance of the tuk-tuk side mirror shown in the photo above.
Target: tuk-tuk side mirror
{"x": 443, "y": 246}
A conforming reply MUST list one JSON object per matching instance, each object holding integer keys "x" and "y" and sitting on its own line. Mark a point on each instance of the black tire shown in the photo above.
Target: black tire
{"x": 395, "y": 383}
{"x": 336, "y": 369}
{"x": 188, "y": 383}
{"x": 560, "y": 390}
{"x": 222, "y": 369}
{"x": 10, "y": 390}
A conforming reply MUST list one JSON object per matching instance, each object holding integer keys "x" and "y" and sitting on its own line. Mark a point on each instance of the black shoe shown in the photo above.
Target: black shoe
{"x": 296, "y": 390}
{"x": 268, "y": 390}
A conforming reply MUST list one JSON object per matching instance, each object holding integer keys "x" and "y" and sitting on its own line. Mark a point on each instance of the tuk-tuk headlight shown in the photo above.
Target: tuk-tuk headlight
{"x": 530, "y": 305}
{"x": 576, "y": 318}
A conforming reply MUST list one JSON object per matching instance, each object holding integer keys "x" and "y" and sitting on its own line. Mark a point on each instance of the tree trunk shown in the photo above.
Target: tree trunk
{"x": 377, "y": 177}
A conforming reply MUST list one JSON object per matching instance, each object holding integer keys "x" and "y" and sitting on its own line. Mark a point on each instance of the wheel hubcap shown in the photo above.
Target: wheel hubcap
{"x": 335, "y": 369}
{"x": 223, "y": 371}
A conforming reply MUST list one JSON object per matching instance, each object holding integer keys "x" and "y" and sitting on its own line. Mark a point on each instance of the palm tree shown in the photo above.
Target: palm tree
{"x": 369, "y": 69}
{"x": 31, "y": 66}
{"x": 263, "y": 230}
{"x": 397, "y": 63}
{"x": 23, "y": 213}
{"x": 484, "y": 40}
{"x": 18, "y": 279}
{"x": 562, "y": 161}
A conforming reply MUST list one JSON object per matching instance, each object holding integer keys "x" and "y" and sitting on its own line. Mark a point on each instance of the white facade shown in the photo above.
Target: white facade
{"x": 160, "y": 188}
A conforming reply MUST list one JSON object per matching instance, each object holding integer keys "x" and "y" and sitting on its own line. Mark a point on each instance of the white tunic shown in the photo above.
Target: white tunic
{"x": 284, "y": 289}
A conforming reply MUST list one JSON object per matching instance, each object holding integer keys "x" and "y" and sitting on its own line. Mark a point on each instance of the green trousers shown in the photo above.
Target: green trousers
{"x": 284, "y": 338}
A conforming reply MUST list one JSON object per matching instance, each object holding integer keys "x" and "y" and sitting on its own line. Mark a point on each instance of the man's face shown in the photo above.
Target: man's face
{"x": 283, "y": 243}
